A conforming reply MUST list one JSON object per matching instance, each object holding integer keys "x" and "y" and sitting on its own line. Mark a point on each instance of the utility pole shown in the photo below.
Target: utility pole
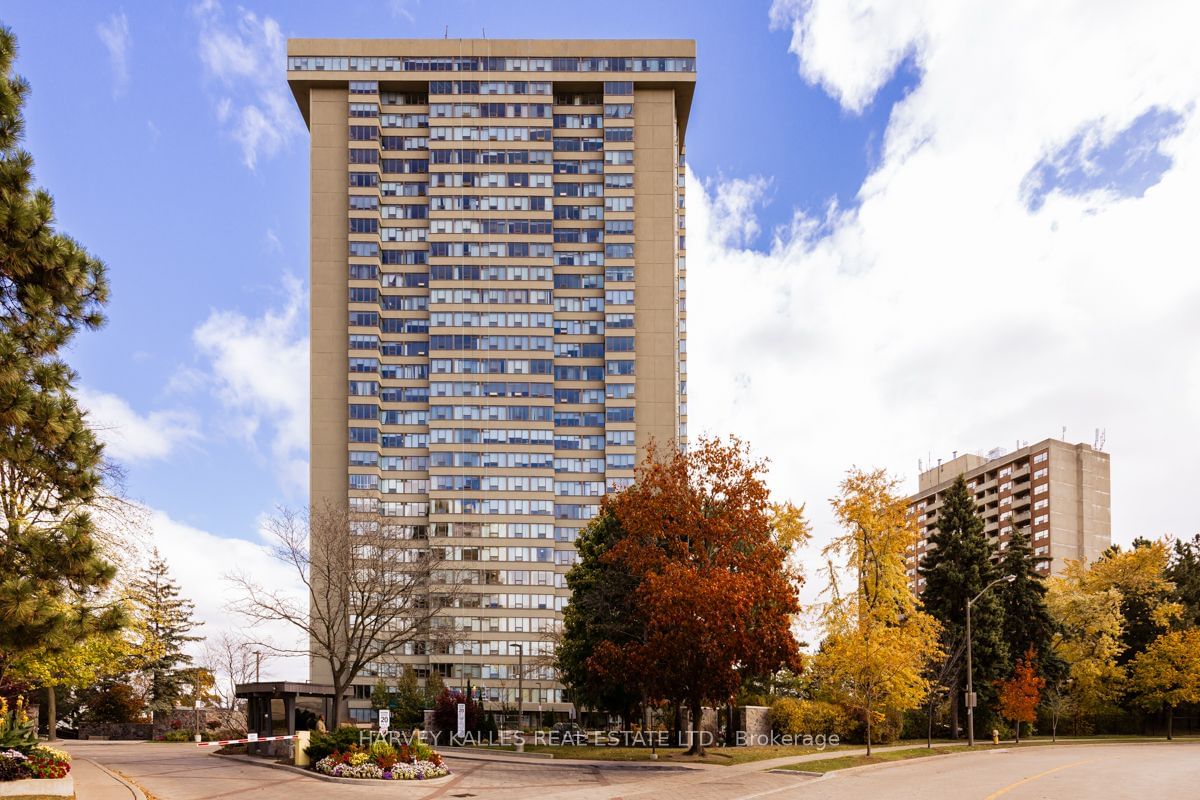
{"x": 970, "y": 677}
{"x": 257, "y": 664}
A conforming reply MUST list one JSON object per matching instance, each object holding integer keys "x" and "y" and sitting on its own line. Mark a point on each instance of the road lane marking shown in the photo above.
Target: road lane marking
{"x": 1024, "y": 781}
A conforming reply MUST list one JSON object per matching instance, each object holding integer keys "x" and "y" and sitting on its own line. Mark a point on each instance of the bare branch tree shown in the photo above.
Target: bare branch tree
{"x": 373, "y": 587}
{"x": 233, "y": 659}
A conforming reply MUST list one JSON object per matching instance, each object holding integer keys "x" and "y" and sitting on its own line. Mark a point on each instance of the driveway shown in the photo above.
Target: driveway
{"x": 1098, "y": 772}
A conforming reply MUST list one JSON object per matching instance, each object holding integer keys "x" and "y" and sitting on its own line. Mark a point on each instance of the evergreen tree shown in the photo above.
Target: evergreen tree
{"x": 1027, "y": 622}
{"x": 601, "y": 613}
{"x": 957, "y": 568}
{"x": 407, "y": 700}
{"x": 51, "y": 464}
{"x": 168, "y": 622}
{"x": 1184, "y": 572}
{"x": 434, "y": 686}
{"x": 381, "y": 696}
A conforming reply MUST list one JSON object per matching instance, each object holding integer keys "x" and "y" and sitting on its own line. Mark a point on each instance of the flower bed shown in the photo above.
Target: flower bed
{"x": 41, "y": 772}
{"x": 40, "y": 763}
{"x": 408, "y": 762}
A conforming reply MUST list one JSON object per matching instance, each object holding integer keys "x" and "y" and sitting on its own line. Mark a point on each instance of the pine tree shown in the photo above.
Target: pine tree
{"x": 434, "y": 686}
{"x": 1027, "y": 622}
{"x": 407, "y": 700}
{"x": 167, "y": 617}
{"x": 957, "y": 568}
{"x": 51, "y": 464}
{"x": 381, "y": 696}
{"x": 1184, "y": 572}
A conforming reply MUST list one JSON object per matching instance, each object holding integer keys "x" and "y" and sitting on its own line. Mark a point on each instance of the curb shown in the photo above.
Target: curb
{"x": 547, "y": 760}
{"x": 483, "y": 751}
{"x": 330, "y": 778}
{"x": 134, "y": 789}
{"x": 800, "y": 772}
{"x": 992, "y": 749}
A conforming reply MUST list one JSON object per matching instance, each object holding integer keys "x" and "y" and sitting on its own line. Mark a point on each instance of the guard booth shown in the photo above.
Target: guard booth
{"x": 271, "y": 710}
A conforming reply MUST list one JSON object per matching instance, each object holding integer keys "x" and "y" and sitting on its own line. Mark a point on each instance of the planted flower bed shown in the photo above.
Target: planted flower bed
{"x": 335, "y": 755}
{"x": 28, "y": 769}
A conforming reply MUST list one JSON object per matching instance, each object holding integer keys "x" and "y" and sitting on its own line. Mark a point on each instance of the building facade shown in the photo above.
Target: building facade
{"x": 498, "y": 311}
{"x": 1058, "y": 492}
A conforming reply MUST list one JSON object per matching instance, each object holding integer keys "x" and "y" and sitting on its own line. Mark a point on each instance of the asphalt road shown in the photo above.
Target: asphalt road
{"x": 1096, "y": 772}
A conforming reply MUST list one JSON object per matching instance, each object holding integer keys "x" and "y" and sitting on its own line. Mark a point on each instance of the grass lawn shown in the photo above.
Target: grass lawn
{"x": 880, "y": 757}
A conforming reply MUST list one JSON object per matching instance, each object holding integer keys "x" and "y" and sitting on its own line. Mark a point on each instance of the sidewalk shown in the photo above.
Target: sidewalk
{"x": 93, "y": 782}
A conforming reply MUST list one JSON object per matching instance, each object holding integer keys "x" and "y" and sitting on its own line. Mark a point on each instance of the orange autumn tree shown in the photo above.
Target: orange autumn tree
{"x": 716, "y": 593}
{"x": 1019, "y": 695}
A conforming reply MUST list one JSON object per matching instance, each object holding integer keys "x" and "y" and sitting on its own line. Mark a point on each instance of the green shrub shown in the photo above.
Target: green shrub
{"x": 793, "y": 717}
{"x": 176, "y": 736}
{"x": 337, "y": 740}
{"x": 17, "y": 731}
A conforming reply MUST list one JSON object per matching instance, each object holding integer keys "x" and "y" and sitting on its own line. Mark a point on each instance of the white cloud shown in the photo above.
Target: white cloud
{"x": 248, "y": 60}
{"x": 403, "y": 9}
{"x": 114, "y": 33}
{"x": 200, "y": 560}
{"x": 940, "y": 313}
{"x": 130, "y": 437}
{"x": 259, "y": 372}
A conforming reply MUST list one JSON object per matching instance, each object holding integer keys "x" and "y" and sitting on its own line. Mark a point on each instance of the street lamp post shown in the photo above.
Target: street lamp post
{"x": 970, "y": 678}
{"x": 520, "y": 680}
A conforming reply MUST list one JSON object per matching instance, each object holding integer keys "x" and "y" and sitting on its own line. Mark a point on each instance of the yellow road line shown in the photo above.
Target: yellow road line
{"x": 1024, "y": 781}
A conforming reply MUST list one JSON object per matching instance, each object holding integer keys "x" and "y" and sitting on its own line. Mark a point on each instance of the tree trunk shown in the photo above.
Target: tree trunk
{"x": 1018, "y": 731}
{"x": 697, "y": 748}
{"x": 51, "y": 714}
{"x": 868, "y": 728}
{"x": 335, "y": 714}
{"x": 954, "y": 729}
{"x": 1170, "y": 722}
{"x": 929, "y": 731}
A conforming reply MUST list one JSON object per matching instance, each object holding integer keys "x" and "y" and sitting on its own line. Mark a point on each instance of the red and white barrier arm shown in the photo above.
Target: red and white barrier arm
{"x": 243, "y": 741}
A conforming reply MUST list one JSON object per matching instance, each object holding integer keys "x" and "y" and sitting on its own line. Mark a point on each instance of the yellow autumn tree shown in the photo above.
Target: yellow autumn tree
{"x": 1168, "y": 673}
{"x": 1090, "y": 624}
{"x": 878, "y": 641}
{"x": 82, "y": 664}
{"x": 1148, "y": 603}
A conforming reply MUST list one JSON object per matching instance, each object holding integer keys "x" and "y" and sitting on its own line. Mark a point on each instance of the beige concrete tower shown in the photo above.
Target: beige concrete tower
{"x": 498, "y": 311}
{"x": 1059, "y": 492}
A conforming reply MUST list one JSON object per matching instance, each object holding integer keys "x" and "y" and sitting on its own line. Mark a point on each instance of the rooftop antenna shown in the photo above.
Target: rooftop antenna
{"x": 446, "y": 33}
{"x": 483, "y": 31}
{"x": 1064, "y": 436}
{"x": 1101, "y": 435}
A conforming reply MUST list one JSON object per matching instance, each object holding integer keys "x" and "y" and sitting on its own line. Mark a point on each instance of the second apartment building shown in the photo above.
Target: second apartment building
{"x": 1059, "y": 492}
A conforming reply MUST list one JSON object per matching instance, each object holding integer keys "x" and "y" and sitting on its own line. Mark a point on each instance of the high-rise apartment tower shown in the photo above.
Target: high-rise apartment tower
{"x": 498, "y": 310}
{"x": 1057, "y": 492}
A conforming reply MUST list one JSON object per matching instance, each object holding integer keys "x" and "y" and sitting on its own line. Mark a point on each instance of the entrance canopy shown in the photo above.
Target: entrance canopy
{"x": 260, "y": 703}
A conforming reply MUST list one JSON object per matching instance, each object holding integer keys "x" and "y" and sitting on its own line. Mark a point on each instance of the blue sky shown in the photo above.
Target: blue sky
{"x": 145, "y": 173}
{"x": 914, "y": 228}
